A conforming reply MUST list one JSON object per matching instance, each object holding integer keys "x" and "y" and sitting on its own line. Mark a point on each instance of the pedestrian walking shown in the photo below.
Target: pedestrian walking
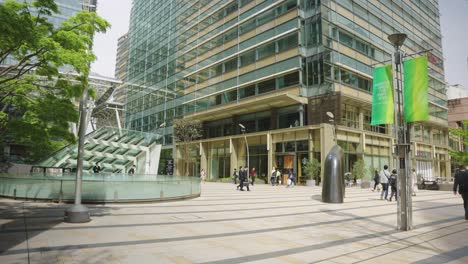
{"x": 241, "y": 172}
{"x": 236, "y": 176}
{"x": 384, "y": 175}
{"x": 392, "y": 181}
{"x": 461, "y": 184}
{"x": 348, "y": 180}
{"x": 291, "y": 180}
{"x": 273, "y": 177}
{"x": 278, "y": 176}
{"x": 414, "y": 187}
{"x": 202, "y": 175}
{"x": 376, "y": 179}
{"x": 253, "y": 175}
{"x": 243, "y": 180}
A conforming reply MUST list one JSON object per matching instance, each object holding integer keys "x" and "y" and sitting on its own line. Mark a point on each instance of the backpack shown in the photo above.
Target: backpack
{"x": 392, "y": 180}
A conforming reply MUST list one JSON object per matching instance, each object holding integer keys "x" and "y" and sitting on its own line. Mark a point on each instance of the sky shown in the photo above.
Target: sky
{"x": 117, "y": 13}
{"x": 454, "y": 23}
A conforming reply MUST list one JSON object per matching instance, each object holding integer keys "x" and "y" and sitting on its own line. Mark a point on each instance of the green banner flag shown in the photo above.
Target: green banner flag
{"x": 416, "y": 106}
{"x": 382, "y": 96}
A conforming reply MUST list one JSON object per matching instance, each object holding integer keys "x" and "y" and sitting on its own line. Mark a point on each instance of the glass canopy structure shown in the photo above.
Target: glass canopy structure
{"x": 116, "y": 150}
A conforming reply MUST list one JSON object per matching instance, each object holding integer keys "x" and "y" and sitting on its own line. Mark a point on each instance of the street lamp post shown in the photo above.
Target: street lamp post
{"x": 401, "y": 134}
{"x": 247, "y": 149}
{"x": 78, "y": 213}
{"x": 332, "y": 119}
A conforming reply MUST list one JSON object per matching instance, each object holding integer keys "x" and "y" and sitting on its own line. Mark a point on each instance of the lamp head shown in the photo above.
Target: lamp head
{"x": 330, "y": 115}
{"x": 397, "y": 39}
{"x": 241, "y": 126}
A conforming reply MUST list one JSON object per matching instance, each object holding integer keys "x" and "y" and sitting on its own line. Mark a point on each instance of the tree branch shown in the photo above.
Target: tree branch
{"x": 26, "y": 58}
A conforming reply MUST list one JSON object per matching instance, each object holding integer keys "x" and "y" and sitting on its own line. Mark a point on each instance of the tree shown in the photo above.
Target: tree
{"x": 185, "y": 131}
{"x": 37, "y": 99}
{"x": 461, "y": 157}
{"x": 312, "y": 169}
{"x": 359, "y": 169}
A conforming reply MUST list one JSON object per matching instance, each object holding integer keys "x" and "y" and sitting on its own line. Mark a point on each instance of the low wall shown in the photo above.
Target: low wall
{"x": 97, "y": 188}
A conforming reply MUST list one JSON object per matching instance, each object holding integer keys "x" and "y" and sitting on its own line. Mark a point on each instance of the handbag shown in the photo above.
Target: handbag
{"x": 379, "y": 186}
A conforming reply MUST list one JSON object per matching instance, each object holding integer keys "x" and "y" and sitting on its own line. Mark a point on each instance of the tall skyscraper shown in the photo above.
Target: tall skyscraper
{"x": 277, "y": 68}
{"x": 121, "y": 67}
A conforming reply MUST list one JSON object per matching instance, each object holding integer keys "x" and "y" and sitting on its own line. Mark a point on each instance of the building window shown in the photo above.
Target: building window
{"x": 288, "y": 80}
{"x": 266, "y": 50}
{"x": 266, "y": 86}
{"x": 247, "y": 91}
{"x": 287, "y": 43}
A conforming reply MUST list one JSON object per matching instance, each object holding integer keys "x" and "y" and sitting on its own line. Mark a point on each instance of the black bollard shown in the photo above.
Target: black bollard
{"x": 333, "y": 182}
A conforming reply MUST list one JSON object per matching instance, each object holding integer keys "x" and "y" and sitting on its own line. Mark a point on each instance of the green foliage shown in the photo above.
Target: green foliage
{"x": 461, "y": 157}
{"x": 36, "y": 100}
{"x": 359, "y": 169}
{"x": 185, "y": 131}
{"x": 312, "y": 168}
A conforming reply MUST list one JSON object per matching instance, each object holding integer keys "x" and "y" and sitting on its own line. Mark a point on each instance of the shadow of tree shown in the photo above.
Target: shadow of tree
{"x": 19, "y": 216}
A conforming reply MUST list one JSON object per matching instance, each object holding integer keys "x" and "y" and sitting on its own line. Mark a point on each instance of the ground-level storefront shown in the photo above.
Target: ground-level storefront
{"x": 291, "y": 148}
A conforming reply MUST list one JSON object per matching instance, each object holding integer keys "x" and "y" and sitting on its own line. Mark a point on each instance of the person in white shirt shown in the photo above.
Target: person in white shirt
{"x": 384, "y": 175}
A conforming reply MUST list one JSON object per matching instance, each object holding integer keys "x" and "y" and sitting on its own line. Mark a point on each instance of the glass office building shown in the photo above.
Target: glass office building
{"x": 277, "y": 67}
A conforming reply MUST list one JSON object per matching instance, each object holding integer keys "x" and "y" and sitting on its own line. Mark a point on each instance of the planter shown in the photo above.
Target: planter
{"x": 365, "y": 185}
{"x": 310, "y": 182}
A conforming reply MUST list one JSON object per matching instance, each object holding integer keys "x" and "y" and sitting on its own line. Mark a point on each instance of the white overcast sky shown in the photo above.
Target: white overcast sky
{"x": 454, "y": 23}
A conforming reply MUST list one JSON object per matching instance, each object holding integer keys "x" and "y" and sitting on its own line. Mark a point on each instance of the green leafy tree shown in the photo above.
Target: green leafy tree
{"x": 461, "y": 157}
{"x": 43, "y": 69}
{"x": 185, "y": 131}
{"x": 312, "y": 169}
{"x": 359, "y": 169}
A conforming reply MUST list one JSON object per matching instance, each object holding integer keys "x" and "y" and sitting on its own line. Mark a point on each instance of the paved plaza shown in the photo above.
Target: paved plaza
{"x": 269, "y": 224}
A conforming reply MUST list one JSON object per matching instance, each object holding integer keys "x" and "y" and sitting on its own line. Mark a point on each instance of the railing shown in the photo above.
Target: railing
{"x": 99, "y": 187}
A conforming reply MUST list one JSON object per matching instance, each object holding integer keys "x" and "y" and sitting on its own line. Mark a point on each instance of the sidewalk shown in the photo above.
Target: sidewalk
{"x": 269, "y": 224}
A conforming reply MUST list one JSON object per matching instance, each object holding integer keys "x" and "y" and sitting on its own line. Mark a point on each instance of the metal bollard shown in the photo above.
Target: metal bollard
{"x": 61, "y": 192}
{"x": 14, "y": 194}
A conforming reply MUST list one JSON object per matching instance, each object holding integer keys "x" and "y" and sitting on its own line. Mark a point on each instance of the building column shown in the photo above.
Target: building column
{"x": 270, "y": 150}
{"x": 204, "y": 158}
{"x": 233, "y": 150}
{"x": 361, "y": 118}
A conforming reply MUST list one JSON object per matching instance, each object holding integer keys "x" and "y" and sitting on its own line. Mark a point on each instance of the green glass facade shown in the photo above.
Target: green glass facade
{"x": 253, "y": 62}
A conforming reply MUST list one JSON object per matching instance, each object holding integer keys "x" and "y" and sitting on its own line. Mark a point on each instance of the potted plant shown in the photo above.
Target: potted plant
{"x": 312, "y": 170}
{"x": 360, "y": 172}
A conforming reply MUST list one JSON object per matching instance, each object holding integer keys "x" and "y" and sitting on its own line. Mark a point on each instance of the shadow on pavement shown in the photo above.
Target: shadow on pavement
{"x": 28, "y": 221}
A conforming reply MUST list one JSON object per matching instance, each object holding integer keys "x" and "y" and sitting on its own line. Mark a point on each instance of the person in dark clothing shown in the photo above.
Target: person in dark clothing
{"x": 241, "y": 172}
{"x": 461, "y": 183}
{"x": 236, "y": 176}
{"x": 376, "y": 179}
{"x": 243, "y": 179}
{"x": 253, "y": 175}
{"x": 97, "y": 168}
{"x": 392, "y": 181}
{"x": 132, "y": 170}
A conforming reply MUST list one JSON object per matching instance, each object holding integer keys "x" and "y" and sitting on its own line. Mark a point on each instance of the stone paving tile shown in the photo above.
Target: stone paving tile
{"x": 267, "y": 225}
